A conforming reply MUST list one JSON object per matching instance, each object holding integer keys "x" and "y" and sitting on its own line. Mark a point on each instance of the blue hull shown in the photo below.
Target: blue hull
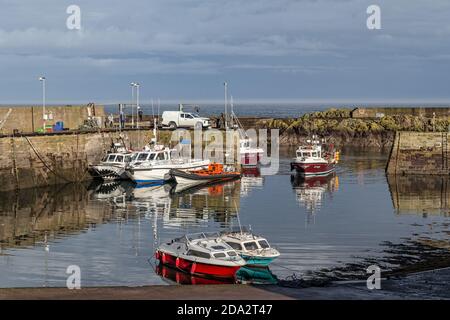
{"x": 257, "y": 261}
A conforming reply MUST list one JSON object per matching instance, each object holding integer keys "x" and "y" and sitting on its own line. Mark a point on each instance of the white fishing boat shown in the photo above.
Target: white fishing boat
{"x": 153, "y": 167}
{"x": 112, "y": 166}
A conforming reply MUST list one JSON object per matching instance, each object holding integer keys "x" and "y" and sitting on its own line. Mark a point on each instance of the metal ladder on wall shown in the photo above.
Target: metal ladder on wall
{"x": 445, "y": 152}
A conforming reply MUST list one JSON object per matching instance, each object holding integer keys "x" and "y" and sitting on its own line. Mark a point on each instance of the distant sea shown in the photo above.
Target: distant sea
{"x": 265, "y": 110}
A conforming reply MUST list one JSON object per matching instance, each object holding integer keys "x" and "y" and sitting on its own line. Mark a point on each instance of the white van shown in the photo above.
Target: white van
{"x": 175, "y": 119}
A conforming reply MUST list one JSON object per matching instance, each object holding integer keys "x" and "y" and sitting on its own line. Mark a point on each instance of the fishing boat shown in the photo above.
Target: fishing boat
{"x": 250, "y": 156}
{"x": 201, "y": 253}
{"x": 214, "y": 173}
{"x": 254, "y": 249}
{"x": 312, "y": 160}
{"x": 153, "y": 167}
{"x": 112, "y": 166}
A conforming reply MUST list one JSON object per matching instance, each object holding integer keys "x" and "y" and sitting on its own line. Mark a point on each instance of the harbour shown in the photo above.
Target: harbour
{"x": 330, "y": 231}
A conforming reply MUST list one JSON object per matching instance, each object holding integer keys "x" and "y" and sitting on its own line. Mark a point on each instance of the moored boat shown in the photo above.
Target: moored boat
{"x": 214, "y": 173}
{"x": 152, "y": 167}
{"x": 254, "y": 249}
{"x": 312, "y": 160}
{"x": 250, "y": 156}
{"x": 112, "y": 166}
{"x": 201, "y": 253}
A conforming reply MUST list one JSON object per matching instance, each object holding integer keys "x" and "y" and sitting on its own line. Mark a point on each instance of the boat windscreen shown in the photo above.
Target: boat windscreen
{"x": 142, "y": 156}
{"x": 232, "y": 253}
{"x": 263, "y": 244}
{"x": 251, "y": 245}
{"x": 195, "y": 236}
{"x": 211, "y": 234}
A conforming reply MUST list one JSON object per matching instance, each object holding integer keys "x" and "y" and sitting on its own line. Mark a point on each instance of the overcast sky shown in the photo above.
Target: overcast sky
{"x": 266, "y": 49}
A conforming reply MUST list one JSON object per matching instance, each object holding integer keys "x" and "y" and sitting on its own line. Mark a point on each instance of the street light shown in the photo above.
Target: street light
{"x": 137, "y": 105}
{"x": 42, "y": 79}
{"x": 133, "y": 85}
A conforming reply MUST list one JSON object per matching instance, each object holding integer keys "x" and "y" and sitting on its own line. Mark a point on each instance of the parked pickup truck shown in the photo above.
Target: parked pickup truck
{"x": 176, "y": 119}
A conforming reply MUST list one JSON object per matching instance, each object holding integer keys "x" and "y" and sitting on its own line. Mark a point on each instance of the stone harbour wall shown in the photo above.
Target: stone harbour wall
{"x": 419, "y": 153}
{"x": 55, "y": 159}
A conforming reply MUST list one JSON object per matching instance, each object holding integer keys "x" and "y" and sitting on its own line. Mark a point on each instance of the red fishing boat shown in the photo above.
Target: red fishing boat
{"x": 313, "y": 160}
{"x": 201, "y": 254}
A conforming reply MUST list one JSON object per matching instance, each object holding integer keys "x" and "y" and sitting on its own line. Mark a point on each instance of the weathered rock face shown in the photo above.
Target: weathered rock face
{"x": 379, "y": 140}
{"x": 419, "y": 153}
{"x": 50, "y": 160}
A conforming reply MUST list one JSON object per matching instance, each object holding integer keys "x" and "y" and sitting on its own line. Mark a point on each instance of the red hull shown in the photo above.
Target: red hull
{"x": 196, "y": 268}
{"x": 184, "y": 278}
{"x": 312, "y": 169}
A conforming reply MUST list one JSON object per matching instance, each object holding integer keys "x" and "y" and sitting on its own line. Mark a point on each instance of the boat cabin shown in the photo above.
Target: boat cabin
{"x": 246, "y": 242}
{"x": 117, "y": 158}
{"x": 207, "y": 246}
{"x": 143, "y": 156}
{"x": 309, "y": 152}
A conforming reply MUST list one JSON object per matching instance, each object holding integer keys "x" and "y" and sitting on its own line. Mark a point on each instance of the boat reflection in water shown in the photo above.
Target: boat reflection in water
{"x": 178, "y": 205}
{"x": 420, "y": 194}
{"x": 311, "y": 191}
{"x": 245, "y": 275}
{"x": 251, "y": 179}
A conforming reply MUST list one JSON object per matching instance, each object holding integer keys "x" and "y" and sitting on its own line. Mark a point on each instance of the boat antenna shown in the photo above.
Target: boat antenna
{"x": 159, "y": 108}
{"x": 237, "y": 213}
{"x": 154, "y": 123}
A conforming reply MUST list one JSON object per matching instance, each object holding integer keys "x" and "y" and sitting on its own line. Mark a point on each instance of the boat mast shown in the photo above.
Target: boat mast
{"x": 237, "y": 213}
{"x": 226, "y": 103}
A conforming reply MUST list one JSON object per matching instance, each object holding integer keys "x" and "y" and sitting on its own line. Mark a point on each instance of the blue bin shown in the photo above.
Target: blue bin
{"x": 58, "y": 126}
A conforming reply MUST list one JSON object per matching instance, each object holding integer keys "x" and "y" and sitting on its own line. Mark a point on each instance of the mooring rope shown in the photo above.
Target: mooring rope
{"x": 44, "y": 163}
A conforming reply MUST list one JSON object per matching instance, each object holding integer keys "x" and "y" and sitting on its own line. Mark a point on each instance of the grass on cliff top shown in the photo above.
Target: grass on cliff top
{"x": 340, "y": 121}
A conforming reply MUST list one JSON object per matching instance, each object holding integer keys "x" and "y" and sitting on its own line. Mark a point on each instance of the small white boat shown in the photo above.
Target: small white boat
{"x": 201, "y": 254}
{"x": 254, "y": 249}
{"x": 112, "y": 166}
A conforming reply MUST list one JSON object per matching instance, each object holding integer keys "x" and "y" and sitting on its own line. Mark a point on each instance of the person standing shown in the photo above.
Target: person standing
{"x": 110, "y": 120}
{"x": 122, "y": 119}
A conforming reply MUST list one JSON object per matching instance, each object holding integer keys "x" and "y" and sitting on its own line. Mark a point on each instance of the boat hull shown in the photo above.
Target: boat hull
{"x": 192, "y": 179}
{"x": 105, "y": 172}
{"x": 255, "y": 261}
{"x": 159, "y": 175}
{"x": 250, "y": 159}
{"x": 196, "y": 268}
{"x": 312, "y": 169}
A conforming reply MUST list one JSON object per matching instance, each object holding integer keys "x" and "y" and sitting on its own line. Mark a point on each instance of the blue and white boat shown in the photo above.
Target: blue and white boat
{"x": 153, "y": 166}
{"x": 254, "y": 249}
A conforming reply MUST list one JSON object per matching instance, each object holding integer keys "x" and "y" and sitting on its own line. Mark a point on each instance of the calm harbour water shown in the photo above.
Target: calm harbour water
{"x": 111, "y": 230}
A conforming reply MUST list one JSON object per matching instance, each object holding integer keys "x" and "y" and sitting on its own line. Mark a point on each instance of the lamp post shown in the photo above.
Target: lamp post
{"x": 137, "y": 105}
{"x": 226, "y": 102}
{"x": 42, "y": 79}
{"x": 133, "y": 85}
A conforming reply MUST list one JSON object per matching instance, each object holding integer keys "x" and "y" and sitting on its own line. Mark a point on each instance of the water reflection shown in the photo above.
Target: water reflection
{"x": 39, "y": 215}
{"x": 245, "y": 275}
{"x": 420, "y": 194}
{"x": 310, "y": 192}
